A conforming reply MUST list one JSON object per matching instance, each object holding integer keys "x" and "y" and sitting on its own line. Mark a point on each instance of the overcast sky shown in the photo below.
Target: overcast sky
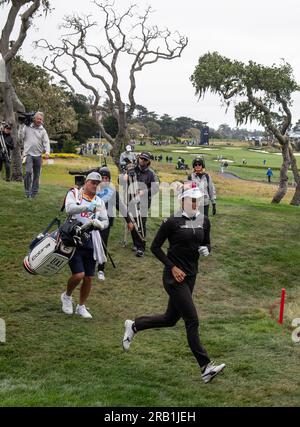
{"x": 260, "y": 30}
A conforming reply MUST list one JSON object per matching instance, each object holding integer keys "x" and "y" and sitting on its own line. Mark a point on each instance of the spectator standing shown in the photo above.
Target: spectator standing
{"x": 269, "y": 174}
{"x": 36, "y": 142}
{"x": 140, "y": 184}
{"x": 205, "y": 183}
{"x": 111, "y": 198}
{"x": 127, "y": 157}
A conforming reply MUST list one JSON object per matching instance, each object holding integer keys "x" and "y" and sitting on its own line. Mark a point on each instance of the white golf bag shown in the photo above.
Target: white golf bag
{"x": 50, "y": 252}
{"x": 48, "y": 256}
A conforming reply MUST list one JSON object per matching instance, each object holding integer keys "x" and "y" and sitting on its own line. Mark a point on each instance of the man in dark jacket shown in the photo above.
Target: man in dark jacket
{"x": 6, "y": 146}
{"x": 111, "y": 198}
{"x": 141, "y": 185}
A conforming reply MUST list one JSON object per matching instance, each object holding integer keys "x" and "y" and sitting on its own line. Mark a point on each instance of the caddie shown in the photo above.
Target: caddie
{"x": 85, "y": 206}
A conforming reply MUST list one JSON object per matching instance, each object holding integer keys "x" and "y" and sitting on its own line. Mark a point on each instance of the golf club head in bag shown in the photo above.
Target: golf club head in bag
{"x": 73, "y": 233}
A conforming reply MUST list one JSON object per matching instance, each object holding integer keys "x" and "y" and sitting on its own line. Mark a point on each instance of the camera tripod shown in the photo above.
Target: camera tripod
{"x": 3, "y": 146}
{"x": 131, "y": 189}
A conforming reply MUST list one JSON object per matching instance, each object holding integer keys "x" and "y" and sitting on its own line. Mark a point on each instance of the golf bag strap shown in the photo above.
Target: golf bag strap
{"x": 76, "y": 193}
{"x": 50, "y": 225}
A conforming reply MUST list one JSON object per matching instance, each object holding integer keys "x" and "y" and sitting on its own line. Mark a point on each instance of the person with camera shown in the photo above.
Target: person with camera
{"x": 205, "y": 183}
{"x": 36, "y": 141}
{"x": 111, "y": 198}
{"x": 6, "y": 145}
{"x": 141, "y": 185}
{"x": 85, "y": 206}
{"x": 127, "y": 157}
{"x": 188, "y": 234}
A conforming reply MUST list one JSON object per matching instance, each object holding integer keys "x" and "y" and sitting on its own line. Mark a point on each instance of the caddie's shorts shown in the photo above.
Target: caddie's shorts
{"x": 83, "y": 262}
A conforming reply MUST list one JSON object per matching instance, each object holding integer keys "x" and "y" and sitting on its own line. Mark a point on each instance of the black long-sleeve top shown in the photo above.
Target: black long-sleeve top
{"x": 185, "y": 235}
{"x": 146, "y": 180}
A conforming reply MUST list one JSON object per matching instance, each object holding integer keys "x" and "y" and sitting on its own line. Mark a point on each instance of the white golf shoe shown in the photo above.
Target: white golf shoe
{"x": 67, "y": 304}
{"x": 83, "y": 312}
{"x": 128, "y": 335}
{"x": 211, "y": 371}
{"x": 101, "y": 275}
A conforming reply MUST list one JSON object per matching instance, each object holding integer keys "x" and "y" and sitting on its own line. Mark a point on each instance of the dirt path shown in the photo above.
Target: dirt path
{"x": 229, "y": 175}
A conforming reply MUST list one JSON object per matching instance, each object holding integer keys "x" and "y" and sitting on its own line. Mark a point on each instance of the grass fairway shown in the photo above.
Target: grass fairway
{"x": 253, "y": 170}
{"x": 50, "y": 359}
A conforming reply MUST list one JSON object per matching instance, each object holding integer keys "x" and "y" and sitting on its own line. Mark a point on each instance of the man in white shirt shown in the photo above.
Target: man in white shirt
{"x": 36, "y": 141}
{"x": 127, "y": 157}
{"x": 85, "y": 206}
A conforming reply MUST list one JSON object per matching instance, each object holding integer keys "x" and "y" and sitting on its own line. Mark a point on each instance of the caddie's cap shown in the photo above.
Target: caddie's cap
{"x": 93, "y": 176}
{"x": 128, "y": 148}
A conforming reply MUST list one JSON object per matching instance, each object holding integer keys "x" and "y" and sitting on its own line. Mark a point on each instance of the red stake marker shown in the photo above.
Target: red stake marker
{"x": 280, "y": 320}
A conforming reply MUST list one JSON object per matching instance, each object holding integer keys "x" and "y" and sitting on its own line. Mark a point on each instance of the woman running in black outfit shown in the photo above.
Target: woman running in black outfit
{"x": 188, "y": 233}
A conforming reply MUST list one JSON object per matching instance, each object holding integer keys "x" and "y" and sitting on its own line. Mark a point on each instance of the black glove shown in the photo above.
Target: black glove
{"x": 214, "y": 209}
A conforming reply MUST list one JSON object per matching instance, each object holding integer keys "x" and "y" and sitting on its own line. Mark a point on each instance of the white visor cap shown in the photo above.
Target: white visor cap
{"x": 128, "y": 148}
{"x": 193, "y": 193}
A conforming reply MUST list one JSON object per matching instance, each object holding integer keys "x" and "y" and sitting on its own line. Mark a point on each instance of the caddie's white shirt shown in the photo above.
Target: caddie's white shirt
{"x": 76, "y": 203}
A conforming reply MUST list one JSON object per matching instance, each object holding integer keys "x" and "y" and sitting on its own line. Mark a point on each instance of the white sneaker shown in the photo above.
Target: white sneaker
{"x": 101, "y": 275}
{"x": 211, "y": 371}
{"x": 129, "y": 334}
{"x": 67, "y": 305}
{"x": 83, "y": 312}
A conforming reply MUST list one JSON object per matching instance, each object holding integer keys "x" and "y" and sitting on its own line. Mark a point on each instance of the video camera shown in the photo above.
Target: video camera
{"x": 128, "y": 167}
{"x": 25, "y": 118}
{"x": 81, "y": 175}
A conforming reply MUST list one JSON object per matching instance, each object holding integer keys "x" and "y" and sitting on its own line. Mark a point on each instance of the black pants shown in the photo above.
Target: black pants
{"x": 180, "y": 305}
{"x": 7, "y": 168}
{"x": 104, "y": 236}
{"x": 137, "y": 241}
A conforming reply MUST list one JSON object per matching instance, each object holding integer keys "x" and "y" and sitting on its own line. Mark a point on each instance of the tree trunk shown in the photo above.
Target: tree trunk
{"x": 16, "y": 159}
{"x": 122, "y": 137}
{"x": 296, "y": 197}
{"x": 2, "y": 114}
{"x": 12, "y": 104}
{"x": 120, "y": 142}
{"x": 283, "y": 180}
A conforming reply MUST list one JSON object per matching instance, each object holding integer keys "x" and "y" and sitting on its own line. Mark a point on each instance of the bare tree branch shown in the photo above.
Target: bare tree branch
{"x": 26, "y": 19}
{"x": 125, "y": 35}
